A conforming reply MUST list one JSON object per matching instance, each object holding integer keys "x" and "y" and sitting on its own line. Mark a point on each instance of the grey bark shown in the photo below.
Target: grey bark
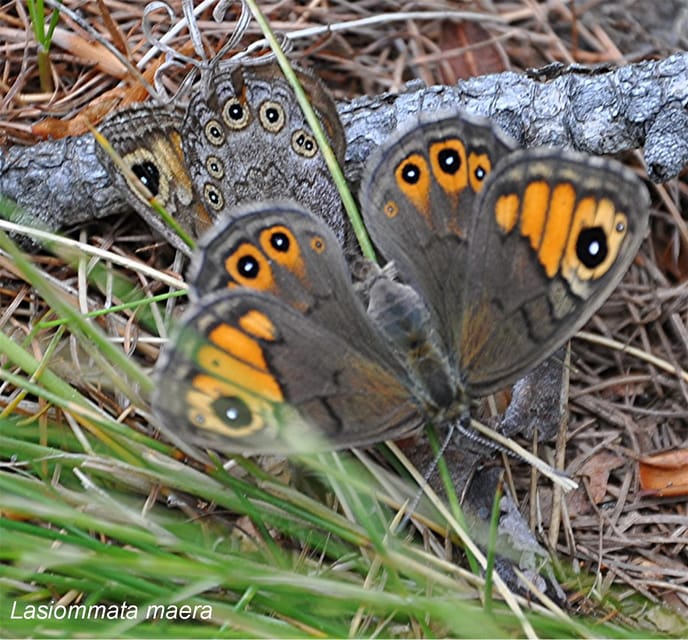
{"x": 61, "y": 183}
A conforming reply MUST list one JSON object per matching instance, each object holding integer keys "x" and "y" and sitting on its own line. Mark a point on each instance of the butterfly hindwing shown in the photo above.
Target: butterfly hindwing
{"x": 246, "y": 139}
{"x": 249, "y": 373}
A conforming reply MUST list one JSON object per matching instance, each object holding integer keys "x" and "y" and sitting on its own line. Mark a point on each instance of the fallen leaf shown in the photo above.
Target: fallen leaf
{"x": 664, "y": 474}
{"x": 475, "y": 55}
{"x": 597, "y": 470}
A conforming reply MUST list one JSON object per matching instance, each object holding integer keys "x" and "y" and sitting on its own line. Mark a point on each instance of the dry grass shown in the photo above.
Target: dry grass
{"x": 622, "y": 406}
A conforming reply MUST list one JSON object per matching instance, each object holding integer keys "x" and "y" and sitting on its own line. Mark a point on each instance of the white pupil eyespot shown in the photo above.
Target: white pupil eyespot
{"x": 594, "y": 248}
{"x": 232, "y": 414}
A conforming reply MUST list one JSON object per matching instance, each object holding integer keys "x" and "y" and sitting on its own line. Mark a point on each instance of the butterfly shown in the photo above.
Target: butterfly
{"x": 499, "y": 255}
{"x": 242, "y": 137}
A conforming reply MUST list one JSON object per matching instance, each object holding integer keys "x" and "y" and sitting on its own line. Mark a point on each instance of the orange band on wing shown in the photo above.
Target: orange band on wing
{"x": 226, "y": 366}
{"x": 534, "y": 211}
{"x": 579, "y": 240}
{"x": 557, "y": 227}
{"x": 234, "y": 341}
{"x": 413, "y": 179}
{"x": 507, "y": 209}
{"x": 258, "y": 325}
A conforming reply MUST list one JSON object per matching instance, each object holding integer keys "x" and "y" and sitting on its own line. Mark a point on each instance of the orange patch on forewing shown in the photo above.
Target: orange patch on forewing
{"x": 556, "y": 230}
{"x": 506, "y": 211}
{"x": 534, "y": 211}
{"x": 259, "y": 325}
{"x": 479, "y": 167}
{"x": 453, "y": 177}
{"x": 412, "y": 176}
{"x": 263, "y": 280}
{"x": 179, "y": 168}
{"x": 291, "y": 257}
{"x": 583, "y": 217}
{"x": 236, "y": 342}
{"x": 205, "y": 390}
{"x": 228, "y": 366}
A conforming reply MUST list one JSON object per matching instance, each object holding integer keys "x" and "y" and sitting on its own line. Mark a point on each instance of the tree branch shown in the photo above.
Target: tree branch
{"x": 61, "y": 183}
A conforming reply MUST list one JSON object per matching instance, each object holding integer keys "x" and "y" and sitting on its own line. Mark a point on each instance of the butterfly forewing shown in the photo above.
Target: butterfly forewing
{"x": 418, "y": 202}
{"x": 556, "y": 232}
{"x": 148, "y": 140}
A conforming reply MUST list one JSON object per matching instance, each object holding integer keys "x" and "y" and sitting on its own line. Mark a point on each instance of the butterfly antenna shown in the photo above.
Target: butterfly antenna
{"x": 462, "y": 426}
